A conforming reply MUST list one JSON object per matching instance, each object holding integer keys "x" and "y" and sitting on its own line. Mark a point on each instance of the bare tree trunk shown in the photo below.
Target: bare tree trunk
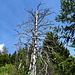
{"x": 33, "y": 55}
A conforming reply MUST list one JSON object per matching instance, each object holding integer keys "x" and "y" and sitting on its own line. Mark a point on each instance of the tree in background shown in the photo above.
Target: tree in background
{"x": 52, "y": 41}
{"x": 53, "y": 53}
{"x": 67, "y": 67}
{"x": 4, "y": 59}
{"x": 67, "y": 16}
{"x": 8, "y": 69}
{"x": 5, "y": 50}
{"x": 12, "y": 58}
{"x": 21, "y": 61}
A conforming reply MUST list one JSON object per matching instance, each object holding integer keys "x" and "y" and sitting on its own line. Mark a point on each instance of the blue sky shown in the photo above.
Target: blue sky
{"x": 12, "y": 13}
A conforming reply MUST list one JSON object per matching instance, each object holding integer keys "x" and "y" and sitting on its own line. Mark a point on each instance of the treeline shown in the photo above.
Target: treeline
{"x": 52, "y": 61}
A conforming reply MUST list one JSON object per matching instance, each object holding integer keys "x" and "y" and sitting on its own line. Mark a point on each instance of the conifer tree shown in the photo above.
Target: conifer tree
{"x": 67, "y": 16}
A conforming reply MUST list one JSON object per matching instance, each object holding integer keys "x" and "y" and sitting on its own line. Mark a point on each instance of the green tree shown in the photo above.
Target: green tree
{"x": 67, "y": 67}
{"x": 55, "y": 46}
{"x": 4, "y": 59}
{"x": 12, "y": 58}
{"x": 21, "y": 62}
{"x": 67, "y": 16}
{"x": 52, "y": 54}
{"x": 8, "y": 69}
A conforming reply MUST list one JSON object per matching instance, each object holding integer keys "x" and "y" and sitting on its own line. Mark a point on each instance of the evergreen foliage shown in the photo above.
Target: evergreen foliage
{"x": 55, "y": 51}
{"x": 67, "y": 67}
{"x": 8, "y": 69}
{"x": 4, "y": 59}
{"x": 67, "y": 15}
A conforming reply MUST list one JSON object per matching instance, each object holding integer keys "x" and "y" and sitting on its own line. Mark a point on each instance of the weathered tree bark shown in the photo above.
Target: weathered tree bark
{"x": 33, "y": 55}
{"x": 34, "y": 32}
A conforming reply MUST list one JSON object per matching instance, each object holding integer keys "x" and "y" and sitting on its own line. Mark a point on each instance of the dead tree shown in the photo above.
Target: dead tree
{"x": 33, "y": 32}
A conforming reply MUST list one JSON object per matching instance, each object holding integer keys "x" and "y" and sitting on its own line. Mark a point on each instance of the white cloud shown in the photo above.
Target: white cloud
{"x": 1, "y": 46}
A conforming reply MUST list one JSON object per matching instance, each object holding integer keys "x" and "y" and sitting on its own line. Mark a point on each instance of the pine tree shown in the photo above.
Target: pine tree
{"x": 67, "y": 16}
{"x": 54, "y": 52}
